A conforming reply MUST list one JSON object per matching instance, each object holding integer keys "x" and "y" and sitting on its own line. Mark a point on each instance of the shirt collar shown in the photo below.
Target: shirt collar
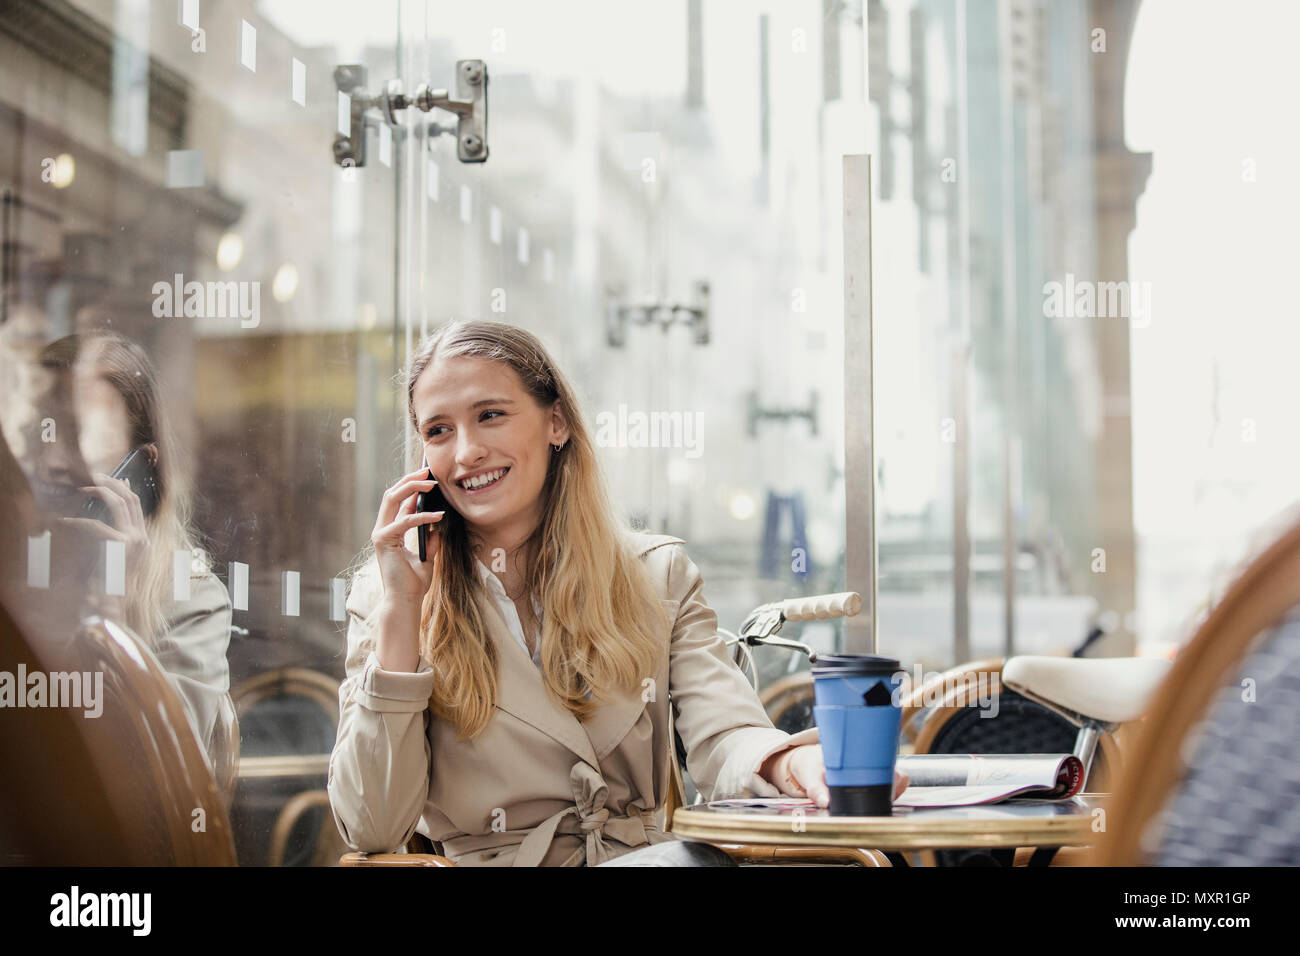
{"x": 493, "y": 584}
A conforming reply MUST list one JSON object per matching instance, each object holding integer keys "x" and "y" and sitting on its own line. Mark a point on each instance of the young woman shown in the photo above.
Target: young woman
{"x": 102, "y": 392}
{"x": 508, "y": 698}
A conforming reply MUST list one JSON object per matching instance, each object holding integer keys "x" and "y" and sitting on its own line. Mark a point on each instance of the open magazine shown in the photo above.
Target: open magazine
{"x": 963, "y": 780}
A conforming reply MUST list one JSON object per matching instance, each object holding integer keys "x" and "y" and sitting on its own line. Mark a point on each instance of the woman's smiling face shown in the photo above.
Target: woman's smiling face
{"x": 475, "y": 418}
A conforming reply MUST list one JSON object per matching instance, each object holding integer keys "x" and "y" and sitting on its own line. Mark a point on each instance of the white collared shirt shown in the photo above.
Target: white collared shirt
{"x": 508, "y": 610}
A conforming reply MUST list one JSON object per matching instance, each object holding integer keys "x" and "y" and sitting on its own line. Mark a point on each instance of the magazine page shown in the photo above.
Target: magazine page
{"x": 977, "y": 770}
{"x": 958, "y": 780}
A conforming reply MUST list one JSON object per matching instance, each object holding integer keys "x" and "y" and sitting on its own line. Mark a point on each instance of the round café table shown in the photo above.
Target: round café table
{"x": 1020, "y": 823}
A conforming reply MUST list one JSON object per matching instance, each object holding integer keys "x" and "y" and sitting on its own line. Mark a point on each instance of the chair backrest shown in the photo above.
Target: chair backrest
{"x": 676, "y": 793}
{"x": 224, "y": 749}
{"x": 955, "y": 725}
{"x": 789, "y": 702}
{"x": 960, "y": 726}
{"x": 1227, "y": 797}
{"x": 287, "y": 711}
{"x": 146, "y": 741}
{"x": 289, "y": 682}
{"x": 56, "y": 807}
{"x": 1022, "y": 726}
{"x": 152, "y": 790}
{"x": 914, "y": 702}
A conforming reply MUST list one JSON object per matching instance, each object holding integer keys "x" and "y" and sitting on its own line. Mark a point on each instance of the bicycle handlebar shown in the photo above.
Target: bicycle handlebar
{"x": 818, "y": 607}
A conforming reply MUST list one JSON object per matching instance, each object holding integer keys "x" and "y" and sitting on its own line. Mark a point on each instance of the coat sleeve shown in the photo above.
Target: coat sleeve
{"x": 724, "y": 727}
{"x": 193, "y": 651}
{"x": 379, "y": 769}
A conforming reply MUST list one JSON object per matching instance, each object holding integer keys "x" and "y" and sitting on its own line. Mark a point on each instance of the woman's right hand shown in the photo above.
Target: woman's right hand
{"x": 406, "y": 578}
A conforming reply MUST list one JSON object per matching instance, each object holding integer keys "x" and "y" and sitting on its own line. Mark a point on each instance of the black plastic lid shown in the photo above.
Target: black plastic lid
{"x": 855, "y": 665}
{"x": 873, "y": 801}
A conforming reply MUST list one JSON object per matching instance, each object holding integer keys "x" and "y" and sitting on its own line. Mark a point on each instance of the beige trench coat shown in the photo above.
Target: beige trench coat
{"x": 537, "y": 786}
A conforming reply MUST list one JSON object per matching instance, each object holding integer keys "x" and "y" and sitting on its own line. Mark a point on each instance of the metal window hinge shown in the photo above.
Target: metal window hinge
{"x": 619, "y": 314}
{"x": 469, "y": 106}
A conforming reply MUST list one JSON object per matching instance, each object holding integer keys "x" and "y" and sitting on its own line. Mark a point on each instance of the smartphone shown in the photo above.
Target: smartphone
{"x": 431, "y": 500}
{"x": 140, "y": 470}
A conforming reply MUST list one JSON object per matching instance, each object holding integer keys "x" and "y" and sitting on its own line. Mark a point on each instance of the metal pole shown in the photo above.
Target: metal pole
{"x": 860, "y": 632}
{"x": 1010, "y": 180}
{"x": 961, "y": 368}
{"x": 960, "y": 504}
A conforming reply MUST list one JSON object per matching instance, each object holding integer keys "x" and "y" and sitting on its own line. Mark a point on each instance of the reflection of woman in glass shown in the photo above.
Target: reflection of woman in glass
{"x": 117, "y": 410}
{"x": 541, "y": 639}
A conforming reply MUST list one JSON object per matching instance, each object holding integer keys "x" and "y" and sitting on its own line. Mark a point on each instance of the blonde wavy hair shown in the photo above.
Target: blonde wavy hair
{"x": 602, "y": 620}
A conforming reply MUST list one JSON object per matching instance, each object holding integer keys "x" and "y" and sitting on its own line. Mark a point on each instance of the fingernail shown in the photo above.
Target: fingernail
{"x": 439, "y": 514}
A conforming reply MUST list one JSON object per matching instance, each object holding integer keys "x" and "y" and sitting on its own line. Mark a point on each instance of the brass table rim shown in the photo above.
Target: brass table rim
{"x": 908, "y": 832}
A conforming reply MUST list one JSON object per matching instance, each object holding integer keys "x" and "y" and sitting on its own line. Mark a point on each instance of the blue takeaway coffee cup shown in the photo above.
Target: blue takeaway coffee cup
{"x": 857, "y": 724}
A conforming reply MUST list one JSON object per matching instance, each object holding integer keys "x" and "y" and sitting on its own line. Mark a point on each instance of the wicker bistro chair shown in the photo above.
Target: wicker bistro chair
{"x": 126, "y": 788}
{"x": 224, "y": 750}
{"x": 1213, "y": 776}
{"x": 284, "y": 709}
{"x": 1022, "y": 725}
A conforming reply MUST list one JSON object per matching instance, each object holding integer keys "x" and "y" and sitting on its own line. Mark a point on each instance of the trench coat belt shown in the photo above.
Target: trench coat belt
{"x": 592, "y": 819}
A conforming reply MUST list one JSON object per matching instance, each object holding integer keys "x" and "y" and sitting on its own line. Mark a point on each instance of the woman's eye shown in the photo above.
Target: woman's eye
{"x": 433, "y": 431}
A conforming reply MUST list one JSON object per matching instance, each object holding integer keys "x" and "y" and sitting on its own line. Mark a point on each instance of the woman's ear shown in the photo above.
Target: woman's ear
{"x": 559, "y": 427}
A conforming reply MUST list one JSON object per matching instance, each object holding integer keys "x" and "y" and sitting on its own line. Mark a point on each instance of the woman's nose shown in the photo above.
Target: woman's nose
{"x": 469, "y": 451}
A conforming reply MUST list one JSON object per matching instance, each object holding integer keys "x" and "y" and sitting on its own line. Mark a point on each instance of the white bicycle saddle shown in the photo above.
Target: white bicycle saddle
{"x": 1111, "y": 690}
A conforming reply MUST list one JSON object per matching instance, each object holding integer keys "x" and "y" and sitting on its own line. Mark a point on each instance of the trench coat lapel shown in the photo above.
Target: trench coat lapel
{"x": 520, "y": 691}
{"x": 611, "y": 721}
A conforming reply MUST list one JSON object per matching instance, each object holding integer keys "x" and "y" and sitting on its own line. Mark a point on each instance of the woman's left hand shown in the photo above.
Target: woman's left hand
{"x": 128, "y": 526}
{"x": 806, "y": 767}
